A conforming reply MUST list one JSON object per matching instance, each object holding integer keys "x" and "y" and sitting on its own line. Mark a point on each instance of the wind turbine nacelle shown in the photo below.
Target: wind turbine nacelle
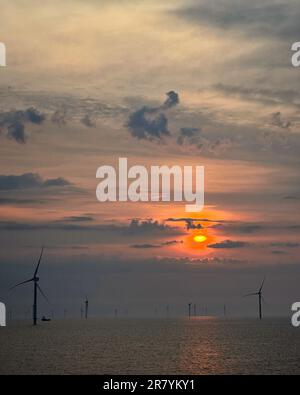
{"x": 36, "y": 279}
{"x": 2, "y": 314}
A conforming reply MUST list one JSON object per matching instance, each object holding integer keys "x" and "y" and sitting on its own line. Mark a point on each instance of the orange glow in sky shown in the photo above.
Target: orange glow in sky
{"x": 199, "y": 238}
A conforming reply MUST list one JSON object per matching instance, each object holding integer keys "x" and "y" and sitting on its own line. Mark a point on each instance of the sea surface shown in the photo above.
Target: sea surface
{"x": 203, "y": 345}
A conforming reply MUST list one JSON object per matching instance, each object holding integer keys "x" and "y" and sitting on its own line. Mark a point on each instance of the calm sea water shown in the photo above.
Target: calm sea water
{"x": 151, "y": 346}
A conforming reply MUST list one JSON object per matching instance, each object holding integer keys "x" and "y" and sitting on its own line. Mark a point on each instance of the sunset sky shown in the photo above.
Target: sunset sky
{"x": 81, "y": 82}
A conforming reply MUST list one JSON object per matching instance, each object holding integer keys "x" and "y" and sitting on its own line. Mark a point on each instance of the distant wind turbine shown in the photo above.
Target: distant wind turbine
{"x": 260, "y": 298}
{"x": 86, "y": 308}
{"x": 36, "y": 287}
{"x": 190, "y": 305}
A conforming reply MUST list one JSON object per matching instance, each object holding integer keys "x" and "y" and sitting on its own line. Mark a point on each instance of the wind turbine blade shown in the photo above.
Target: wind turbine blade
{"x": 42, "y": 293}
{"x": 252, "y": 294}
{"x": 23, "y": 282}
{"x": 38, "y": 265}
{"x": 260, "y": 289}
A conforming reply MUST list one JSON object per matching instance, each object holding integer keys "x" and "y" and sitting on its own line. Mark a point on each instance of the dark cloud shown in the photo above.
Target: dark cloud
{"x": 78, "y": 218}
{"x": 150, "y": 123}
{"x": 189, "y": 135}
{"x": 292, "y": 197}
{"x": 263, "y": 18}
{"x": 192, "y": 223}
{"x": 14, "y": 201}
{"x": 287, "y": 244}
{"x": 246, "y": 228}
{"x": 228, "y": 244}
{"x": 204, "y": 143}
{"x": 29, "y": 180}
{"x": 279, "y": 252}
{"x": 87, "y": 121}
{"x": 16, "y": 131}
{"x": 277, "y": 120}
{"x": 145, "y": 246}
{"x": 138, "y": 226}
{"x": 34, "y": 116}
{"x": 144, "y": 125}
{"x": 13, "y": 122}
{"x": 171, "y": 101}
{"x": 160, "y": 245}
{"x": 59, "y": 117}
{"x": 56, "y": 182}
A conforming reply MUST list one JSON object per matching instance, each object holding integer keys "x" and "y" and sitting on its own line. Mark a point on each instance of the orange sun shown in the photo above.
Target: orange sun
{"x": 199, "y": 238}
{"x": 198, "y": 241}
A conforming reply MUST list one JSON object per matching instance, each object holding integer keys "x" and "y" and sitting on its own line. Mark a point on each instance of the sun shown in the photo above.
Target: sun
{"x": 199, "y": 238}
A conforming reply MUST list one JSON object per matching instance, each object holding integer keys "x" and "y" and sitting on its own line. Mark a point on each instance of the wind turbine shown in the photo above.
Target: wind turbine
{"x": 36, "y": 287}
{"x": 260, "y": 297}
{"x": 190, "y": 305}
{"x": 86, "y": 307}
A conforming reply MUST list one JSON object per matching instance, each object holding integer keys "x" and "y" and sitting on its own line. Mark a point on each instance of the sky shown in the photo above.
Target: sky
{"x": 161, "y": 83}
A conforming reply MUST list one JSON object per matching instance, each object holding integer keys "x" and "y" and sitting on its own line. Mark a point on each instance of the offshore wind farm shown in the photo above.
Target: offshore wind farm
{"x": 152, "y": 147}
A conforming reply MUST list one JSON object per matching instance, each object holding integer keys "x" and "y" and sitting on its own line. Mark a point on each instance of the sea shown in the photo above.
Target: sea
{"x": 177, "y": 346}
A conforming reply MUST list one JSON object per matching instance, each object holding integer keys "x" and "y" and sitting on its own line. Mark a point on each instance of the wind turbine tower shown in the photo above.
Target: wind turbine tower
{"x": 35, "y": 279}
{"x": 260, "y": 298}
{"x": 86, "y": 308}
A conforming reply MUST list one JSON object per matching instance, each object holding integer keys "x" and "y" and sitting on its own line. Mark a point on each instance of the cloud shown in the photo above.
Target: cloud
{"x": 247, "y": 228}
{"x": 14, "y": 201}
{"x": 188, "y": 134}
{"x": 258, "y": 94}
{"x": 190, "y": 222}
{"x": 135, "y": 228}
{"x": 150, "y": 123}
{"x": 278, "y": 121}
{"x": 142, "y": 126}
{"x": 59, "y": 117}
{"x": 287, "y": 244}
{"x": 78, "y": 218}
{"x": 138, "y": 226}
{"x": 291, "y": 197}
{"x": 193, "y": 137}
{"x": 87, "y": 121}
{"x": 260, "y": 18}
{"x": 171, "y": 101}
{"x": 160, "y": 245}
{"x": 16, "y": 131}
{"x": 14, "y": 123}
{"x": 228, "y": 244}
{"x": 28, "y": 181}
{"x": 34, "y": 116}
